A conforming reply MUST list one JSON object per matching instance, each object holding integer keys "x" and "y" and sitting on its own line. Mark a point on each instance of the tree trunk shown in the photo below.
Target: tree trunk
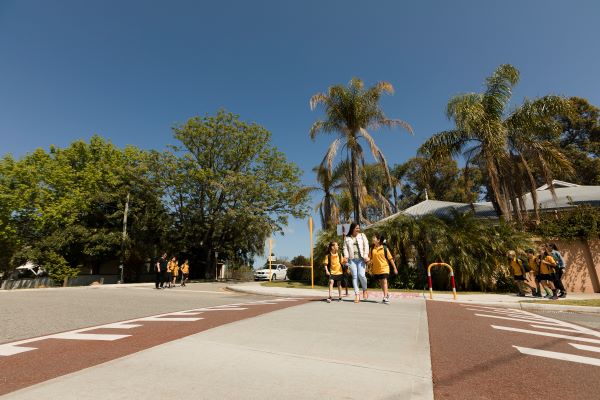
{"x": 355, "y": 187}
{"x": 327, "y": 210}
{"x": 492, "y": 171}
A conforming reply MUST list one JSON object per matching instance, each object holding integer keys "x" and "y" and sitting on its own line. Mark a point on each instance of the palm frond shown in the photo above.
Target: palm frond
{"x": 317, "y": 99}
{"x": 499, "y": 89}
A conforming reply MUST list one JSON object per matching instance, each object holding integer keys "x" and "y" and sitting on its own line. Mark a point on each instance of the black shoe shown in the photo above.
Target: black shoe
{"x": 563, "y": 295}
{"x": 521, "y": 295}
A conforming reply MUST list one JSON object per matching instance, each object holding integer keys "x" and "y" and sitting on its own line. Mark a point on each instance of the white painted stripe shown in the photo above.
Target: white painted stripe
{"x": 10, "y": 350}
{"x": 515, "y": 319}
{"x": 119, "y": 325}
{"x": 559, "y": 356}
{"x": 550, "y": 334}
{"x": 585, "y": 347}
{"x": 518, "y": 315}
{"x": 88, "y": 336}
{"x": 168, "y": 319}
{"x": 555, "y": 329}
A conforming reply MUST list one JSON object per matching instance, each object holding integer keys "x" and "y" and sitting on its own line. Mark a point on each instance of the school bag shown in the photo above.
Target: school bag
{"x": 524, "y": 264}
{"x": 560, "y": 262}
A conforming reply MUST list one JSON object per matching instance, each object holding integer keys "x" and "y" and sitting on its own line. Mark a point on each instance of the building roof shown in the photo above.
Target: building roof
{"x": 567, "y": 195}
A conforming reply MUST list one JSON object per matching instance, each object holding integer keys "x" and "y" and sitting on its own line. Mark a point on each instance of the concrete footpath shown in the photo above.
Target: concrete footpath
{"x": 508, "y": 300}
{"x": 338, "y": 350}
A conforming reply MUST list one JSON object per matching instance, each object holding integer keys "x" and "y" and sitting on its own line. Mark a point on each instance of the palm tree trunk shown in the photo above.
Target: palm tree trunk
{"x": 327, "y": 210}
{"x": 496, "y": 188}
{"x": 532, "y": 189}
{"x": 355, "y": 187}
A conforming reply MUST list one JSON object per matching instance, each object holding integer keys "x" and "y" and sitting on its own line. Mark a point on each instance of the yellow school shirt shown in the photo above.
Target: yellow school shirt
{"x": 175, "y": 269}
{"x": 546, "y": 269}
{"x": 379, "y": 265}
{"x": 516, "y": 267}
{"x": 534, "y": 264}
{"x": 336, "y": 267}
{"x": 185, "y": 268}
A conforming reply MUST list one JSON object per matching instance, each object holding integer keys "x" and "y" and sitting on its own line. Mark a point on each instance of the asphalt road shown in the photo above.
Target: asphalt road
{"x": 78, "y": 314}
{"x": 482, "y": 352}
{"x": 37, "y": 312}
{"x": 588, "y": 320}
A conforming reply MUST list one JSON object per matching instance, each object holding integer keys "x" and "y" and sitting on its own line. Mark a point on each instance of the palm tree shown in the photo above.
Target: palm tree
{"x": 350, "y": 112}
{"x": 479, "y": 123}
{"x": 533, "y": 139}
{"x": 329, "y": 181}
{"x": 506, "y": 147}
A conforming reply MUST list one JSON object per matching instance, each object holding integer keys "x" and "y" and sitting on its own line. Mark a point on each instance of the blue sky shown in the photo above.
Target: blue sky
{"x": 129, "y": 70}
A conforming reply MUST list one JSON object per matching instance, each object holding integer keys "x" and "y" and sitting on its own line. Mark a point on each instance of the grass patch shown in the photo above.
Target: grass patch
{"x": 589, "y": 302}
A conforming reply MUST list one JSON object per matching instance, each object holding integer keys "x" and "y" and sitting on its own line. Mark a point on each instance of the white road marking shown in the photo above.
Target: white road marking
{"x": 550, "y": 334}
{"x": 119, "y": 325}
{"x": 168, "y": 319}
{"x": 9, "y": 349}
{"x": 88, "y": 336}
{"x": 516, "y": 319}
{"x": 585, "y": 347}
{"x": 559, "y": 356}
{"x": 555, "y": 329}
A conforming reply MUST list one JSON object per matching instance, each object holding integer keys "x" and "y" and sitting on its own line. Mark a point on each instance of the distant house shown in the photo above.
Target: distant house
{"x": 582, "y": 257}
{"x": 568, "y": 195}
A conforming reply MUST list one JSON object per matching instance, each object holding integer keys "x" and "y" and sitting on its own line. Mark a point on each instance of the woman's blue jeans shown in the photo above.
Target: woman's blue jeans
{"x": 358, "y": 266}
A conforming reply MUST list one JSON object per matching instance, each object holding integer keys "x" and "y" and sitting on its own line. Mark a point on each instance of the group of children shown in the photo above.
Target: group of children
{"x": 545, "y": 268}
{"x": 168, "y": 271}
{"x": 355, "y": 260}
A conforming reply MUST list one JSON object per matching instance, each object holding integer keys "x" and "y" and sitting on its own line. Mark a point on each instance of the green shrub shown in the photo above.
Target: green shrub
{"x": 300, "y": 274}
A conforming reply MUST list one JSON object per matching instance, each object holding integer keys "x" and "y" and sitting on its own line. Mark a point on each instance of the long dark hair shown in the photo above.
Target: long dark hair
{"x": 352, "y": 226}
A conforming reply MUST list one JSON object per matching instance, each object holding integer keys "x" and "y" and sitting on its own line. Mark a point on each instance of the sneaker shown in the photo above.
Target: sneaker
{"x": 563, "y": 295}
{"x": 537, "y": 294}
{"x": 339, "y": 299}
{"x": 386, "y": 300}
{"x": 555, "y": 297}
{"x": 329, "y": 300}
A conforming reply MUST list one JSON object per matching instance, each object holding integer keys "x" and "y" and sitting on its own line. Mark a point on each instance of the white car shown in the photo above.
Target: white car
{"x": 278, "y": 272}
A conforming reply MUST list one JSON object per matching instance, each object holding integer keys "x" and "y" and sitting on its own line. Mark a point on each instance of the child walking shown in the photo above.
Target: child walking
{"x": 381, "y": 259}
{"x": 333, "y": 268}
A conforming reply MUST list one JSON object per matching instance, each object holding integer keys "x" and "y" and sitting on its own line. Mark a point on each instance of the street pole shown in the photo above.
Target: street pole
{"x": 124, "y": 236}
{"x": 270, "y": 252}
{"x": 312, "y": 270}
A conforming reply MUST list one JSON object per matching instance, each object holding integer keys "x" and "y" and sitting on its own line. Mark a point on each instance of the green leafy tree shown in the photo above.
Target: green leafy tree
{"x": 442, "y": 179}
{"x": 300, "y": 260}
{"x": 227, "y": 189}
{"x": 66, "y": 207}
{"x": 350, "y": 112}
{"x": 580, "y": 141}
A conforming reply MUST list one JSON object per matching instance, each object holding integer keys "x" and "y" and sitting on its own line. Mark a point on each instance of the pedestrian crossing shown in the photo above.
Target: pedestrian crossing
{"x": 17, "y": 347}
{"x": 538, "y": 325}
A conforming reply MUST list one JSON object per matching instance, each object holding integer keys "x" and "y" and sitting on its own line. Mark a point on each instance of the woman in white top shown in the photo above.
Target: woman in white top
{"x": 356, "y": 251}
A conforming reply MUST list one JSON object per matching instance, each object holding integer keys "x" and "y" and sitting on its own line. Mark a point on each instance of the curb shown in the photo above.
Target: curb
{"x": 533, "y": 306}
{"x": 260, "y": 292}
